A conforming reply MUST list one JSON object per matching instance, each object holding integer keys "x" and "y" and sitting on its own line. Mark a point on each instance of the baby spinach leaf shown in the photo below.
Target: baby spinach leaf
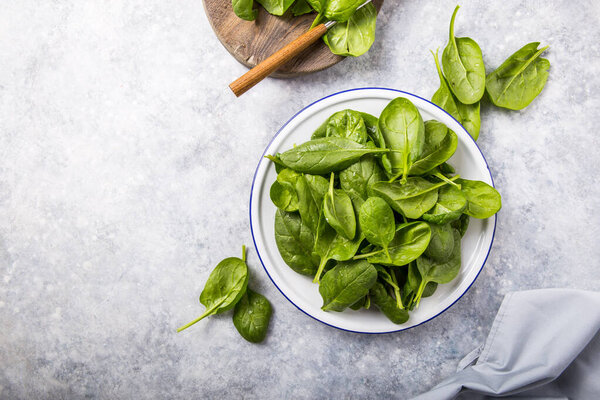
{"x": 386, "y": 304}
{"x": 301, "y": 7}
{"x": 461, "y": 224}
{"x": 372, "y": 125}
{"x": 276, "y": 7}
{"x": 411, "y": 287}
{"x": 470, "y": 118}
{"x": 295, "y": 242}
{"x": 377, "y": 222}
{"x": 403, "y": 130}
{"x": 347, "y": 124}
{"x": 345, "y": 284}
{"x": 443, "y": 97}
{"x": 355, "y": 36}
{"x": 440, "y": 145}
{"x": 389, "y": 277}
{"x": 329, "y": 245}
{"x": 449, "y": 207}
{"x": 441, "y": 244}
{"x": 244, "y": 9}
{"x": 355, "y": 179}
{"x": 519, "y": 79}
{"x": 410, "y": 241}
{"x": 411, "y": 199}
{"x": 463, "y": 66}
{"x": 439, "y": 272}
{"x": 251, "y": 316}
{"x": 311, "y": 191}
{"x": 339, "y": 212}
{"x": 335, "y": 10}
{"x": 362, "y": 303}
{"x": 225, "y": 286}
{"x": 324, "y": 155}
{"x": 483, "y": 201}
{"x": 283, "y": 190}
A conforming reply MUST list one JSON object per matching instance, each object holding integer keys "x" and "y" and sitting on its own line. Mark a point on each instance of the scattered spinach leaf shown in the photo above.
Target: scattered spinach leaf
{"x": 251, "y": 316}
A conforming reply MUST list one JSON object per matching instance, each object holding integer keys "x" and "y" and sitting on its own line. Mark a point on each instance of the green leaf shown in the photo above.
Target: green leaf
{"x": 311, "y": 191}
{"x": 295, "y": 242}
{"x": 251, "y": 316}
{"x": 355, "y": 179}
{"x": 377, "y": 222}
{"x": 483, "y": 201}
{"x": 224, "y": 288}
{"x": 324, "y": 155}
{"x": 283, "y": 190}
{"x": 276, "y": 7}
{"x": 440, "y": 145}
{"x": 463, "y": 67}
{"x": 244, "y": 9}
{"x": 441, "y": 245}
{"x": 339, "y": 211}
{"x": 301, "y": 7}
{"x": 347, "y": 124}
{"x": 519, "y": 79}
{"x": 355, "y": 36}
{"x": 449, "y": 207}
{"x": 410, "y": 241}
{"x": 345, "y": 284}
{"x": 403, "y": 130}
{"x": 387, "y": 304}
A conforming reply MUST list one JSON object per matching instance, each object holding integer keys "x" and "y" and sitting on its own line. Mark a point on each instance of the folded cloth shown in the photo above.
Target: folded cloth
{"x": 544, "y": 344}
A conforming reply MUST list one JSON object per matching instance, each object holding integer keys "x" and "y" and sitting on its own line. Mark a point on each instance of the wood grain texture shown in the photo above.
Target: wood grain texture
{"x": 251, "y": 42}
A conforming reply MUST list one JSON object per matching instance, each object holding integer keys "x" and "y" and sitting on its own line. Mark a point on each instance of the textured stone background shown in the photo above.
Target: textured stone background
{"x": 125, "y": 170}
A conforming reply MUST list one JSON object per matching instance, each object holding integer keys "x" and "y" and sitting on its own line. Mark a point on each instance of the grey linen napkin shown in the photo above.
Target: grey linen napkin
{"x": 544, "y": 344}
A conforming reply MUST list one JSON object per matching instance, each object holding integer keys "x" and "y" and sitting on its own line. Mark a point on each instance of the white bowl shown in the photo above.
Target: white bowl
{"x": 298, "y": 289}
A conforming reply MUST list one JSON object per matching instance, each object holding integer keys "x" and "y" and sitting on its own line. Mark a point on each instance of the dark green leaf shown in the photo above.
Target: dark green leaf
{"x": 251, "y": 316}
{"x": 387, "y": 304}
{"x": 295, "y": 242}
{"x": 410, "y": 241}
{"x": 449, "y": 207}
{"x": 346, "y": 283}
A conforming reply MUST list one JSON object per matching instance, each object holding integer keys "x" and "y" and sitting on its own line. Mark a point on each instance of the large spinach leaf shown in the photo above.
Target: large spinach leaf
{"x": 311, "y": 190}
{"x": 295, "y": 242}
{"x": 324, "y": 155}
{"x": 347, "y": 124}
{"x": 403, "y": 130}
{"x": 225, "y": 286}
{"x": 355, "y": 36}
{"x": 463, "y": 66}
{"x": 346, "y": 283}
{"x": 251, "y": 316}
{"x": 355, "y": 179}
{"x": 519, "y": 79}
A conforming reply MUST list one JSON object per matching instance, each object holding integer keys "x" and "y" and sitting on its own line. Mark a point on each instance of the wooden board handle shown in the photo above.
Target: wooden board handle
{"x": 280, "y": 57}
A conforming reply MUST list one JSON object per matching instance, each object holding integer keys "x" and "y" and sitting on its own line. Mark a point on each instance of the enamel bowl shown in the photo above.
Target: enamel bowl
{"x": 298, "y": 289}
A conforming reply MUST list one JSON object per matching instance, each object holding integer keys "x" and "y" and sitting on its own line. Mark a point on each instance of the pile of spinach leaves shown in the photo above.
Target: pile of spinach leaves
{"x": 227, "y": 288}
{"x": 353, "y": 34}
{"x": 371, "y": 210}
{"x": 463, "y": 82}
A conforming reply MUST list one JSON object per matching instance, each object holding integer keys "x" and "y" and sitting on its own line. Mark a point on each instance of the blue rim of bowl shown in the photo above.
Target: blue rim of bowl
{"x": 252, "y": 228}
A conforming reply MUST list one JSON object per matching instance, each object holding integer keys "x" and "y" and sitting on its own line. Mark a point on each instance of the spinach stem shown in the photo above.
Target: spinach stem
{"x": 396, "y": 289}
{"x": 244, "y": 253}
{"x": 206, "y": 313}
{"x": 420, "y": 292}
{"x": 320, "y": 270}
{"x": 366, "y": 255}
{"x": 445, "y": 179}
{"x": 317, "y": 20}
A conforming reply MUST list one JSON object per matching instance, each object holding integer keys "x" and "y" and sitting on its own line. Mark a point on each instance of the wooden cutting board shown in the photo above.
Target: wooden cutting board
{"x": 250, "y": 42}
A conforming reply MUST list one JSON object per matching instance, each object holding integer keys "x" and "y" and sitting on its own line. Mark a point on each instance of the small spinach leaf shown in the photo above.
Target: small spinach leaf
{"x": 301, "y": 7}
{"x": 386, "y": 304}
{"x": 441, "y": 244}
{"x": 276, "y": 7}
{"x": 463, "y": 66}
{"x": 225, "y": 286}
{"x": 355, "y": 36}
{"x": 295, "y": 242}
{"x": 377, "y": 222}
{"x": 410, "y": 241}
{"x": 244, "y": 9}
{"x": 519, "y": 79}
{"x": 355, "y": 179}
{"x": 483, "y": 201}
{"x": 449, "y": 207}
{"x": 311, "y": 191}
{"x": 347, "y": 124}
{"x": 251, "y": 316}
{"x": 339, "y": 211}
{"x": 283, "y": 190}
{"x": 440, "y": 145}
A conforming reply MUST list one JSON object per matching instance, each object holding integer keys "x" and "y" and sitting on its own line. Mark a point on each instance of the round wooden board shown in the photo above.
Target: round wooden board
{"x": 250, "y": 42}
